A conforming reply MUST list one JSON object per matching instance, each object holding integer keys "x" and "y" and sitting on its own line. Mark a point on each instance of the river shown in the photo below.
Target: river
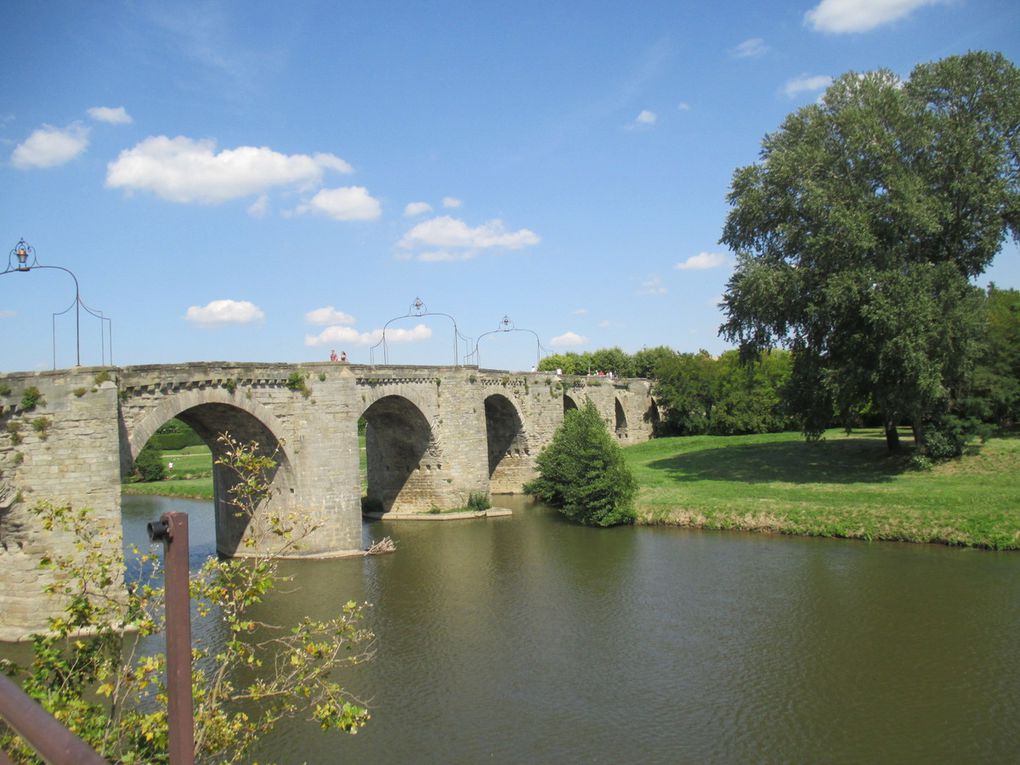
{"x": 527, "y": 639}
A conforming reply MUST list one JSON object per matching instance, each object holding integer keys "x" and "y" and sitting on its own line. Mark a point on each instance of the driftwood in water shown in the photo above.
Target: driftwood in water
{"x": 384, "y": 545}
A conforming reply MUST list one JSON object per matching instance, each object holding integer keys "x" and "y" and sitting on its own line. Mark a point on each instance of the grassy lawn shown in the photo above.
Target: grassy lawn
{"x": 843, "y": 486}
{"x": 191, "y": 477}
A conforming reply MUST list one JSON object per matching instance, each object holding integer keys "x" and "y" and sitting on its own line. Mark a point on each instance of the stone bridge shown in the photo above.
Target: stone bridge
{"x": 434, "y": 436}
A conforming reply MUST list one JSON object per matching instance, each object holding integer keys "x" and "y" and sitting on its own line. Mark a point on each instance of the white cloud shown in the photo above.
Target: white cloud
{"x": 841, "y": 16}
{"x": 344, "y": 203}
{"x": 646, "y": 117}
{"x": 806, "y": 83}
{"x": 451, "y": 202}
{"x": 185, "y": 170}
{"x": 750, "y": 48}
{"x": 50, "y": 146}
{"x": 350, "y": 336}
{"x": 328, "y": 315}
{"x": 113, "y": 115}
{"x": 225, "y": 312}
{"x": 5, "y": 314}
{"x": 568, "y": 340}
{"x": 652, "y": 286}
{"x": 259, "y": 207}
{"x": 453, "y": 239}
{"x": 703, "y": 260}
{"x": 416, "y": 208}
{"x": 581, "y": 312}
{"x": 683, "y": 106}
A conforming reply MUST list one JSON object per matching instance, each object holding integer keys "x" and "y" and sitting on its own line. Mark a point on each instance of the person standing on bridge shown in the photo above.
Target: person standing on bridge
{"x": 332, "y": 355}
{"x": 343, "y": 357}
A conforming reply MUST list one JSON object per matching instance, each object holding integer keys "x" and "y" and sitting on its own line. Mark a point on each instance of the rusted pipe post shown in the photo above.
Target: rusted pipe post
{"x": 54, "y": 743}
{"x": 172, "y": 530}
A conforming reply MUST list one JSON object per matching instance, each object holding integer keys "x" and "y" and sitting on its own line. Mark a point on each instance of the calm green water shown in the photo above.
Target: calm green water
{"x": 529, "y": 640}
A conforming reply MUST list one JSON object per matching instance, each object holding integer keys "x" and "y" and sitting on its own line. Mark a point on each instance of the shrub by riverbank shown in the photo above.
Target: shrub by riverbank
{"x": 842, "y": 486}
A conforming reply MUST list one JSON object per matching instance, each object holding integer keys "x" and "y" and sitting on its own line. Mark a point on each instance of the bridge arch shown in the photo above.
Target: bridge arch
{"x": 210, "y": 413}
{"x": 508, "y": 448}
{"x": 405, "y": 463}
{"x": 568, "y": 403}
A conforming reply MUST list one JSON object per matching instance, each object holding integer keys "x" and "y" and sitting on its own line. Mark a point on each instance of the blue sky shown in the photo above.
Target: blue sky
{"x": 255, "y": 181}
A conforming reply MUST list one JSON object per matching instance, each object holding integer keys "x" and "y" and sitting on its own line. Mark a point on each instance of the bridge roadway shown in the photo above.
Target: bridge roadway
{"x": 435, "y": 435}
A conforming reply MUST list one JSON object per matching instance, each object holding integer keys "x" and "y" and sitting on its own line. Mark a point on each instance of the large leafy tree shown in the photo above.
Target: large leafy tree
{"x": 860, "y": 229}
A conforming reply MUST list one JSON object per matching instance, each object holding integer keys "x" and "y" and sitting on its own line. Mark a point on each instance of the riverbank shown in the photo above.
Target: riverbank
{"x": 843, "y": 486}
{"x": 186, "y": 488}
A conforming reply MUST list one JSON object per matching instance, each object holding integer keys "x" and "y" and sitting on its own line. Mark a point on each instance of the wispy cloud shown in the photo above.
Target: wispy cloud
{"x": 568, "y": 340}
{"x": 451, "y": 203}
{"x": 444, "y": 239}
{"x": 349, "y": 336}
{"x": 845, "y": 16}
{"x": 806, "y": 83}
{"x": 185, "y": 170}
{"x": 702, "y": 261}
{"x": 652, "y": 286}
{"x": 225, "y": 312}
{"x": 645, "y": 119}
{"x": 345, "y": 203}
{"x": 260, "y": 207}
{"x": 50, "y": 146}
{"x": 413, "y": 209}
{"x": 328, "y": 315}
{"x": 112, "y": 115}
{"x": 750, "y": 48}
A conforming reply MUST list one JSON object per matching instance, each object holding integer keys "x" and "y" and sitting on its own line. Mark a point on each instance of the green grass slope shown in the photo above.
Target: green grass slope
{"x": 842, "y": 486}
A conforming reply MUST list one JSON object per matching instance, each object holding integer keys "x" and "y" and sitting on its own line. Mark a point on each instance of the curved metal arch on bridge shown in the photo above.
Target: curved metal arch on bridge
{"x": 18, "y": 262}
{"x": 507, "y": 325}
{"x": 105, "y": 323}
{"x": 415, "y": 310}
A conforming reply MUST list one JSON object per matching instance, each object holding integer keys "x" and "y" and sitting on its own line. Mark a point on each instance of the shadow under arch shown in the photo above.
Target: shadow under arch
{"x": 210, "y": 419}
{"x": 568, "y": 403}
{"x": 653, "y": 417}
{"x": 404, "y": 461}
{"x": 621, "y": 421}
{"x": 509, "y": 455}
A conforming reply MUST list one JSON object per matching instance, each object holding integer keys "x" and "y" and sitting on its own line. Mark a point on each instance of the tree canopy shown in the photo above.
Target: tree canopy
{"x": 860, "y": 229}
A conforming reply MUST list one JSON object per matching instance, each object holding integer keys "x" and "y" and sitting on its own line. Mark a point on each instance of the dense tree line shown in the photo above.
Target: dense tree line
{"x": 726, "y": 395}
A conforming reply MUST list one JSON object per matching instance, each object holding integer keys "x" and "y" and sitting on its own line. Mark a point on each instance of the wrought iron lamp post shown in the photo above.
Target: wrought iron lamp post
{"x": 22, "y": 259}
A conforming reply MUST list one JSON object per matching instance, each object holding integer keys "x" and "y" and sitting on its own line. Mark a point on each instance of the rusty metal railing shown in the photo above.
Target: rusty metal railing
{"x": 59, "y": 746}
{"x": 41, "y": 730}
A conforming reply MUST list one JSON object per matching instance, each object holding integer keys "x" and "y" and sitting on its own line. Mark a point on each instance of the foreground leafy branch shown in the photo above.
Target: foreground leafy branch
{"x": 91, "y": 672}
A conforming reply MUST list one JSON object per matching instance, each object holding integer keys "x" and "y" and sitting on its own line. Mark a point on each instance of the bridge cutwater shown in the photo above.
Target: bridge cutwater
{"x": 435, "y": 435}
